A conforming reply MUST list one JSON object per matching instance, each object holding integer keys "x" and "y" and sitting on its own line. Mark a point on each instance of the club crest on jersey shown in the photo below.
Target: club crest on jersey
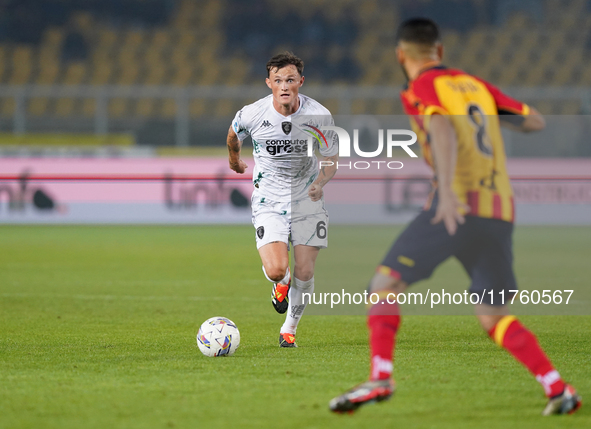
{"x": 286, "y": 127}
{"x": 260, "y": 232}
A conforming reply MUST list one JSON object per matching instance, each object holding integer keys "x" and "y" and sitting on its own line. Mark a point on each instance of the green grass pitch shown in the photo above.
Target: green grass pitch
{"x": 98, "y": 324}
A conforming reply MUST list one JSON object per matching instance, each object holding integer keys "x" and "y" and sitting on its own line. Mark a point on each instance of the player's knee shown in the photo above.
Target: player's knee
{"x": 304, "y": 271}
{"x": 381, "y": 282}
{"x": 305, "y": 274}
{"x": 276, "y": 272}
{"x": 487, "y": 321}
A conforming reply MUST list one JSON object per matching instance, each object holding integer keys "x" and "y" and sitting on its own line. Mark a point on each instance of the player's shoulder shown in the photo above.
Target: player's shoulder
{"x": 258, "y": 106}
{"x": 312, "y": 107}
{"x": 422, "y": 89}
{"x": 251, "y": 113}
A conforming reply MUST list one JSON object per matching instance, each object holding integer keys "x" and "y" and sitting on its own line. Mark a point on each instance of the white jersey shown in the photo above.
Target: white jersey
{"x": 283, "y": 170}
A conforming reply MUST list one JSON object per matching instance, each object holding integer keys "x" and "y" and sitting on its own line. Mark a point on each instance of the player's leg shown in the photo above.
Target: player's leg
{"x": 303, "y": 283}
{"x": 272, "y": 234}
{"x": 489, "y": 264}
{"x": 508, "y": 332}
{"x": 305, "y": 261}
{"x": 414, "y": 256}
{"x": 383, "y": 321}
{"x": 275, "y": 259}
{"x": 309, "y": 234}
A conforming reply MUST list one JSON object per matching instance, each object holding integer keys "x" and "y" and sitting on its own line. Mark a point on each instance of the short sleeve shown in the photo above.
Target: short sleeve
{"x": 506, "y": 105}
{"x": 239, "y": 126}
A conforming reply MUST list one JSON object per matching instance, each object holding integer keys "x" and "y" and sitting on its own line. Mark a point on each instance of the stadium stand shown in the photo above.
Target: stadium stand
{"x": 226, "y": 42}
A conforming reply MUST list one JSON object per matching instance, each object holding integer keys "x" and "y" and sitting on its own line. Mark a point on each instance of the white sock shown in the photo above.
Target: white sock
{"x": 285, "y": 279}
{"x": 297, "y": 304}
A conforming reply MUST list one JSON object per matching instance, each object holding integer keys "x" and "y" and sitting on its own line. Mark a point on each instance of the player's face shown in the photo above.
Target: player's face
{"x": 285, "y": 84}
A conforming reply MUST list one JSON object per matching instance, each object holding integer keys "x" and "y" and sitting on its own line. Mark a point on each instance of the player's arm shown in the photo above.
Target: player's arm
{"x": 444, "y": 147}
{"x": 514, "y": 114}
{"x": 327, "y": 171}
{"x": 531, "y": 122}
{"x": 234, "y": 147}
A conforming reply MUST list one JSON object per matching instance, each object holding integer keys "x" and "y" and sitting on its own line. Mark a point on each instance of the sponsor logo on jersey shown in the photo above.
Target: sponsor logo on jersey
{"x": 279, "y": 146}
{"x": 266, "y": 123}
{"x": 286, "y": 127}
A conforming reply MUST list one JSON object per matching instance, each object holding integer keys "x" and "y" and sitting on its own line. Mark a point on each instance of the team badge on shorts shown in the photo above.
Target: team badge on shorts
{"x": 260, "y": 232}
{"x": 286, "y": 127}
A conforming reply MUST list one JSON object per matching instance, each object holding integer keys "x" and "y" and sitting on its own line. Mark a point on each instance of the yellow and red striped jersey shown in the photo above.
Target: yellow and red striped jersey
{"x": 473, "y": 107}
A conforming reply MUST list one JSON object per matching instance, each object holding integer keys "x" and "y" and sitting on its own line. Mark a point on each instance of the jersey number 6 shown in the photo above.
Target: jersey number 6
{"x": 321, "y": 229}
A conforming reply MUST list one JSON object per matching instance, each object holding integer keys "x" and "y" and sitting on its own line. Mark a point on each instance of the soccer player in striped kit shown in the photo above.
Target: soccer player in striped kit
{"x": 457, "y": 118}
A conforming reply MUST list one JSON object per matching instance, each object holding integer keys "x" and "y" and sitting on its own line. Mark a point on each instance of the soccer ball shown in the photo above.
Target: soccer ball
{"x": 218, "y": 336}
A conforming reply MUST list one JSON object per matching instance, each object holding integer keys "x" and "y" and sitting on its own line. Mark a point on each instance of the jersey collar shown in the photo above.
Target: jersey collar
{"x": 434, "y": 65}
{"x": 431, "y": 66}
{"x": 294, "y": 113}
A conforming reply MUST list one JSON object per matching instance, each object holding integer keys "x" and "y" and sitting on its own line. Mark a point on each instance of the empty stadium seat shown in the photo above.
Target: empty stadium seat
{"x": 194, "y": 46}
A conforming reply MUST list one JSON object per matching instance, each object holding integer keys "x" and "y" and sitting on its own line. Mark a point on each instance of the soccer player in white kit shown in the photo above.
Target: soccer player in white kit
{"x": 287, "y": 202}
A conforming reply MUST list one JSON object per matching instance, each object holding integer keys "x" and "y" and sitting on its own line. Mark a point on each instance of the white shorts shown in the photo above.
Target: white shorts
{"x": 301, "y": 222}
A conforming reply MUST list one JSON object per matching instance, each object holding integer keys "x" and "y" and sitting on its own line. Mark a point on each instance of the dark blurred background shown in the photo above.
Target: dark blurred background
{"x": 173, "y": 72}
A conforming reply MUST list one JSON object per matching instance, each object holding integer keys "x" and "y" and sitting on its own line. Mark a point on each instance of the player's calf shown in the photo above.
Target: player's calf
{"x": 298, "y": 297}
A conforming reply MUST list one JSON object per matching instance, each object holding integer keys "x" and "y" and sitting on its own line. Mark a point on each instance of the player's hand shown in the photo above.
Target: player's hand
{"x": 315, "y": 192}
{"x": 448, "y": 211}
{"x": 239, "y": 167}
